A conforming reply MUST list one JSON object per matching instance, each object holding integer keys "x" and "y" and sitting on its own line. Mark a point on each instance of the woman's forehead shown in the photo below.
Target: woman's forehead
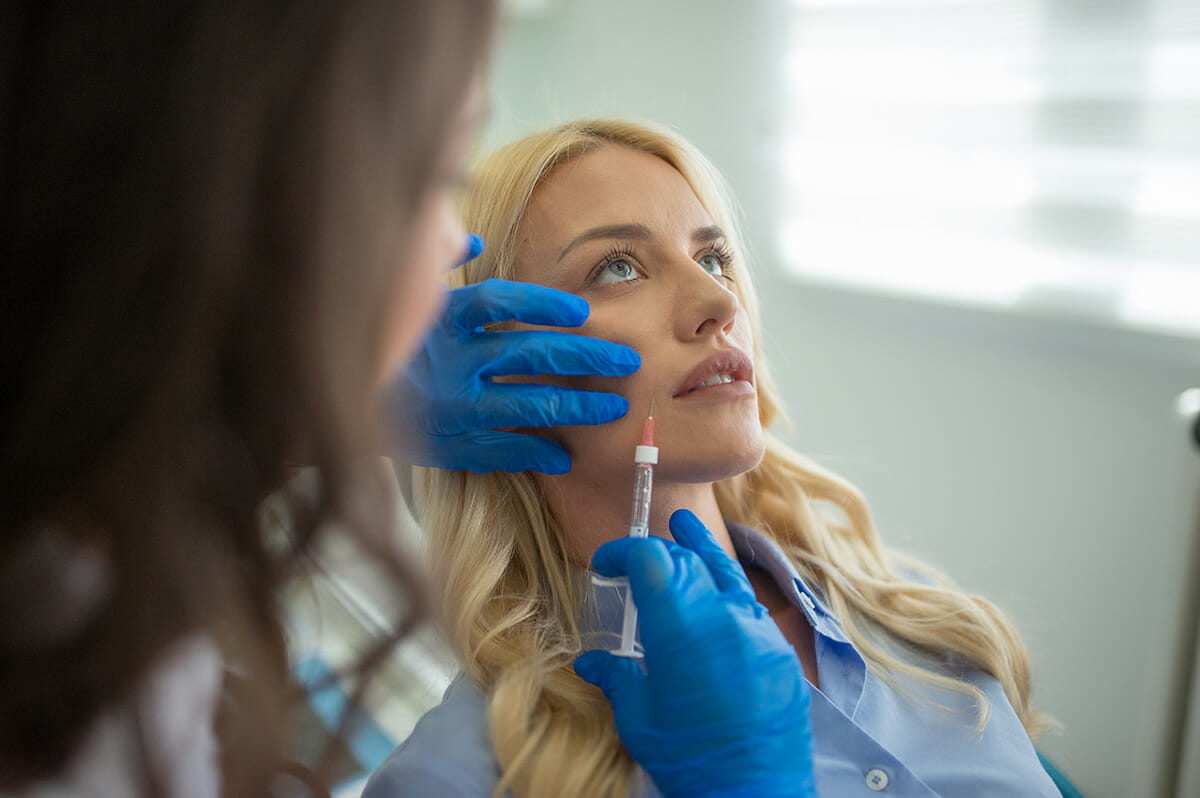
{"x": 610, "y": 186}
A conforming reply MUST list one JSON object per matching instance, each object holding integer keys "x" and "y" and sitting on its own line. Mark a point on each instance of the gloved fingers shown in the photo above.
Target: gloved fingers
{"x": 612, "y": 558}
{"x": 548, "y": 352}
{"x": 675, "y": 594}
{"x": 728, "y": 574}
{"x": 526, "y": 405}
{"x": 619, "y": 678}
{"x": 669, "y": 584}
{"x": 524, "y": 452}
{"x": 475, "y": 305}
{"x": 492, "y": 450}
{"x": 474, "y": 249}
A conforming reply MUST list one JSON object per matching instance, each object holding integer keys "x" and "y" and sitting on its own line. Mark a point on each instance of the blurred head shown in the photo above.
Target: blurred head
{"x": 223, "y": 224}
{"x": 637, "y": 222}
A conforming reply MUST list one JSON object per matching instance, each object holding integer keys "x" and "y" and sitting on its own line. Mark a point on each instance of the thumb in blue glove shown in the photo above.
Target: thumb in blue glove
{"x": 452, "y": 413}
{"x": 722, "y": 707}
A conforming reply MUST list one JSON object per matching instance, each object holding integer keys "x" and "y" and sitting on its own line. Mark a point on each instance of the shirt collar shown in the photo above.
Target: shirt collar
{"x": 755, "y": 548}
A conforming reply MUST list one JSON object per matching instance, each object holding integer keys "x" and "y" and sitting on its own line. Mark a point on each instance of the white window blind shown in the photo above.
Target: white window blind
{"x": 1023, "y": 153}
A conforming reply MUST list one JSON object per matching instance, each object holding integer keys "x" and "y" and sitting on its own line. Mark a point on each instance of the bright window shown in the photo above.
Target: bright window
{"x": 1020, "y": 153}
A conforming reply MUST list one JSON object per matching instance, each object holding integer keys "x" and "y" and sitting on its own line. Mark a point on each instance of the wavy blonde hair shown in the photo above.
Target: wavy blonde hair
{"x": 513, "y": 596}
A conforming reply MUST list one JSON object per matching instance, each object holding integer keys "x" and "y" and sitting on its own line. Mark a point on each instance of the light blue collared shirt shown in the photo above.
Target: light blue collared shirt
{"x": 870, "y": 739}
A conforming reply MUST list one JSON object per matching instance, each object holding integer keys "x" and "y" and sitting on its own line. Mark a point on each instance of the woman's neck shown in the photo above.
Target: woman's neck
{"x": 594, "y": 510}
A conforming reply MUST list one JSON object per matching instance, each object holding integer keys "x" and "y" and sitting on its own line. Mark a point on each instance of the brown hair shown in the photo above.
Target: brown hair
{"x": 202, "y": 205}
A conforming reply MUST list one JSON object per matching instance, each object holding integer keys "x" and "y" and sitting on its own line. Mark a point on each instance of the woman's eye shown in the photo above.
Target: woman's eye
{"x": 617, "y": 271}
{"x": 712, "y": 264}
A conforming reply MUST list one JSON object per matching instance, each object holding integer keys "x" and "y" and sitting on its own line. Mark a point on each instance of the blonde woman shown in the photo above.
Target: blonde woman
{"x": 916, "y": 687}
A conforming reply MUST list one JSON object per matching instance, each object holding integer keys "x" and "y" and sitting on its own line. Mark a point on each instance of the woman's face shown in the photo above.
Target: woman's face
{"x": 623, "y": 229}
{"x": 437, "y": 243}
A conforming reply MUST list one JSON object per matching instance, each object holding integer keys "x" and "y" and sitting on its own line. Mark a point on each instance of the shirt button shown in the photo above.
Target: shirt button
{"x": 877, "y": 780}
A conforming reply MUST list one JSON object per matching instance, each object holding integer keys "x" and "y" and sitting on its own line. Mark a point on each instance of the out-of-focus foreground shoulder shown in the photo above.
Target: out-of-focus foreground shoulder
{"x": 449, "y": 752}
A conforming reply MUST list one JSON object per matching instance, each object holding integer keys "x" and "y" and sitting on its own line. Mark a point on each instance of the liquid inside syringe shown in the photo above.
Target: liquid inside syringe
{"x": 645, "y": 457}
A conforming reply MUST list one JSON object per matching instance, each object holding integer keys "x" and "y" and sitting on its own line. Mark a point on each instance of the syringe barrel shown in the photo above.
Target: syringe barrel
{"x": 643, "y": 481}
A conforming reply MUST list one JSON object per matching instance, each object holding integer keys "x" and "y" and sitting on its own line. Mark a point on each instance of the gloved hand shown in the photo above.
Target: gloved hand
{"x": 448, "y": 407}
{"x": 722, "y": 707}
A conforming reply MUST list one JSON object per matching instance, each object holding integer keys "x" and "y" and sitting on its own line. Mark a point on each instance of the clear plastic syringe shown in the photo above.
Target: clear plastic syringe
{"x": 645, "y": 457}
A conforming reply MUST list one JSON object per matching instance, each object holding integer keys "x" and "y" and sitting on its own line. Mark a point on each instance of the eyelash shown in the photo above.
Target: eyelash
{"x": 624, "y": 251}
{"x": 723, "y": 253}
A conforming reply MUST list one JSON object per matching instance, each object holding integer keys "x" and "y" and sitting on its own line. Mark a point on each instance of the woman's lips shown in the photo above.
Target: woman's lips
{"x": 727, "y": 373}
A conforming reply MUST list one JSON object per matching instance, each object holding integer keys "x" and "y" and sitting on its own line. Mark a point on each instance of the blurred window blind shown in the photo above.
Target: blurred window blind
{"x": 1000, "y": 152}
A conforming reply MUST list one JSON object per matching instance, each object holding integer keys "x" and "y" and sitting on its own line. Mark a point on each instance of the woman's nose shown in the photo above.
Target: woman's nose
{"x": 707, "y": 306}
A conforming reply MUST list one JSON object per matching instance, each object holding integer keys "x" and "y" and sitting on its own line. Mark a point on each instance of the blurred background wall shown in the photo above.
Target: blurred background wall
{"x": 976, "y": 232}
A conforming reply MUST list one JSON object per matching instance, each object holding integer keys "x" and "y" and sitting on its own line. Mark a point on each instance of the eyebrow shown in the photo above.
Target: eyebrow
{"x": 704, "y": 235}
{"x": 638, "y": 232}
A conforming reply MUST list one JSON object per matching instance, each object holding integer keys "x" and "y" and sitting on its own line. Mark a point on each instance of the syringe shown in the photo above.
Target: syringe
{"x": 645, "y": 457}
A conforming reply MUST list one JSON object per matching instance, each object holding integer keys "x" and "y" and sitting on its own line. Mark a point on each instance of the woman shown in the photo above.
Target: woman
{"x": 922, "y": 689}
{"x": 223, "y": 225}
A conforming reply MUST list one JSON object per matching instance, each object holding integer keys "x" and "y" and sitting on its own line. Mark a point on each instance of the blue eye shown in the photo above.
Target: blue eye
{"x": 616, "y": 271}
{"x": 712, "y": 264}
{"x": 717, "y": 261}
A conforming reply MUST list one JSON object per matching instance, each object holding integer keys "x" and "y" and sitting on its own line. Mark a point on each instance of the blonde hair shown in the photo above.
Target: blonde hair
{"x": 513, "y": 597}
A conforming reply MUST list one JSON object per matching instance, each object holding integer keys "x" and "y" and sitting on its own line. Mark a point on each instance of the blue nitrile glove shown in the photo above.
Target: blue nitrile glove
{"x": 450, "y": 410}
{"x": 721, "y": 707}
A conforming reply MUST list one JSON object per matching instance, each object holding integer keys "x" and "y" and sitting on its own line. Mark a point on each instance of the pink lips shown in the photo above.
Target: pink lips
{"x": 732, "y": 362}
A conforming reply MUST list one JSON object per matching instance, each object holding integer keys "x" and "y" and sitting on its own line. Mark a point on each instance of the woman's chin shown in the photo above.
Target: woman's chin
{"x": 726, "y": 465}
